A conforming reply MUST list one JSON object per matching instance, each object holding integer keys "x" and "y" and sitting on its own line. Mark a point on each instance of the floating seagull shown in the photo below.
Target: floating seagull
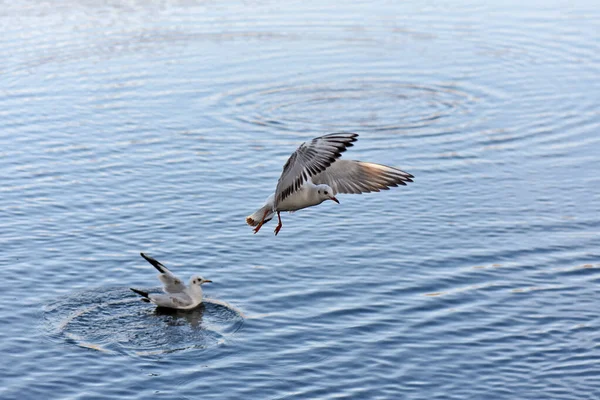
{"x": 177, "y": 295}
{"x": 314, "y": 173}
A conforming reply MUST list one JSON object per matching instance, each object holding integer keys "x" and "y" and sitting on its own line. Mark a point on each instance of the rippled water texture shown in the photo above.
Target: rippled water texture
{"x": 105, "y": 319}
{"x": 147, "y": 126}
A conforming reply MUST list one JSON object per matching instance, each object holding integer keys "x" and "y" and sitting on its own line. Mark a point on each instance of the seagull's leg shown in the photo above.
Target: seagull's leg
{"x": 278, "y": 227}
{"x": 262, "y": 221}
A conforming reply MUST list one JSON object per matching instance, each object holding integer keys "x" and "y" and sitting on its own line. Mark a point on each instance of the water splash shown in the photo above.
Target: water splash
{"x": 110, "y": 320}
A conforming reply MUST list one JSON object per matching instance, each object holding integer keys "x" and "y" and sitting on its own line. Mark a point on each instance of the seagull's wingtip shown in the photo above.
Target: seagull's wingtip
{"x": 161, "y": 268}
{"x": 140, "y": 292}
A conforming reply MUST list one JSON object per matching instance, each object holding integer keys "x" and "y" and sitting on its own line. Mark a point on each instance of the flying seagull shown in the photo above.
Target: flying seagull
{"x": 314, "y": 173}
{"x": 177, "y": 294}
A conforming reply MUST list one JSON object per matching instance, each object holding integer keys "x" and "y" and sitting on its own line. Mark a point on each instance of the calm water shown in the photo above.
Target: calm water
{"x": 158, "y": 126}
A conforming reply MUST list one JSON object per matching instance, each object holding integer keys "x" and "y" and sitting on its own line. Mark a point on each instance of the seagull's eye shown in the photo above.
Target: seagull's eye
{"x": 319, "y": 191}
{"x": 325, "y": 192}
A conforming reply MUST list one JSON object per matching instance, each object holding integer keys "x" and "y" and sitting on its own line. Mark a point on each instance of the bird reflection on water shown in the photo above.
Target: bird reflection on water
{"x": 193, "y": 317}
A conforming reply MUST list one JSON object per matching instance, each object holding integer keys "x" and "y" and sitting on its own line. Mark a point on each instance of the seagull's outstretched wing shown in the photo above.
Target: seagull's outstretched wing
{"x": 171, "y": 283}
{"x": 310, "y": 159}
{"x": 349, "y": 176}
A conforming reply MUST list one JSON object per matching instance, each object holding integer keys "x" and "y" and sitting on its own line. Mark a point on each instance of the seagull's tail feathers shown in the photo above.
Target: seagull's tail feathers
{"x": 265, "y": 211}
{"x": 145, "y": 295}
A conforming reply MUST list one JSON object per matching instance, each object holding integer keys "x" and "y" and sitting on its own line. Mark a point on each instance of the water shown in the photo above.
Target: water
{"x": 158, "y": 126}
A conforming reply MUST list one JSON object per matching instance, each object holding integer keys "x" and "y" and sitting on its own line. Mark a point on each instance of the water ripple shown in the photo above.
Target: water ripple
{"x": 159, "y": 125}
{"x": 111, "y": 320}
{"x": 375, "y": 105}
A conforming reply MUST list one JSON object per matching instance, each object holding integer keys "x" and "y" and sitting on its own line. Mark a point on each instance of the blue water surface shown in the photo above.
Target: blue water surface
{"x": 157, "y": 126}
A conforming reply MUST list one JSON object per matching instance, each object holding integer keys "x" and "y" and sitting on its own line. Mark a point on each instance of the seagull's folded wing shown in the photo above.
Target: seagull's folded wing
{"x": 349, "y": 176}
{"x": 310, "y": 159}
{"x": 180, "y": 300}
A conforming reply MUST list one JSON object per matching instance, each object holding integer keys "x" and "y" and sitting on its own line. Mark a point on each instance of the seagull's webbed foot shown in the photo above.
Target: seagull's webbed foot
{"x": 278, "y": 227}
{"x": 262, "y": 221}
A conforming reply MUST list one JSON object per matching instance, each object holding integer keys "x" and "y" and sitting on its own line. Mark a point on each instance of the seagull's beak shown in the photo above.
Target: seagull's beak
{"x": 334, "y": 199}
{"x": 206, "y": 281}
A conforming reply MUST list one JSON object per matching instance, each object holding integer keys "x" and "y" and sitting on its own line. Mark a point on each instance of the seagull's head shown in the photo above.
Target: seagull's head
{"x": 325, "y": 192}
{"x": 197, "y": 280}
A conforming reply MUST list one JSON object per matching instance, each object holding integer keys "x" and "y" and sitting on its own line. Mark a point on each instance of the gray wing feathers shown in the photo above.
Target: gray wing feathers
{"x": 171, "y": 284}
{"x": 310, "y": 159}
{"x": 349, "y": 176}
{"x": 171, "y": 300}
